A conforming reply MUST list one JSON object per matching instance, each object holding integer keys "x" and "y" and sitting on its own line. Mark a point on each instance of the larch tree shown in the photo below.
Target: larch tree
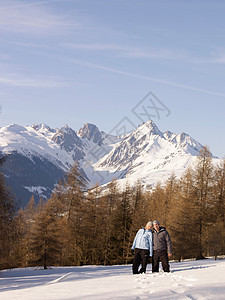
{"x": 139, "y": 207}
{"x": 7, "y": 226}
{"x": 156, "y": 201}
{"x": 217, "y": 229}
{"x": 219, "y": 191}
{"x": 75, "y": 187}
{"x": 170, "y": 197}
{"x": 45, "y": 243}
{"x": 24, "y": 223}
{"x": 122, "y": 224}
{"x": 203, "y": 174}
{"x": 93, "y": 227}
{"x": 111, "y": 200}
{"x": 139, "y": 215}
{"x": 182, "y": 218}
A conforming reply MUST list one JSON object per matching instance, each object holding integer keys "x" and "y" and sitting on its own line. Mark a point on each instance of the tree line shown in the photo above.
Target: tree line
{"x": 79, "y": 226}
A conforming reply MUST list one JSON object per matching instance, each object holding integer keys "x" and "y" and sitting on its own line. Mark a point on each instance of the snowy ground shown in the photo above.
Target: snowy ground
{"x": 196, "y": 280}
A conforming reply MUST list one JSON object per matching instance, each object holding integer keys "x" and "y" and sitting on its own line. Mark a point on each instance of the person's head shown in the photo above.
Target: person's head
{"x": 148, "y": 226}
{"x": 156, "y": 225}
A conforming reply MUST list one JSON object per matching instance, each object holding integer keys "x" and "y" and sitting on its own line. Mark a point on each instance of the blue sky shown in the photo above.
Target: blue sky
{"x": 78, "y": 61}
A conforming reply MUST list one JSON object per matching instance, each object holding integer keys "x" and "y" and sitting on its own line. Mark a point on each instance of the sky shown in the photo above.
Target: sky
{"x": 115, "y": 64}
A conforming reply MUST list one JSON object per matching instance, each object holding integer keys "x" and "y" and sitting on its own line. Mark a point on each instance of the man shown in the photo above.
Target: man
{"x": 143, "y": 248}
{"x": 162, "y": 248}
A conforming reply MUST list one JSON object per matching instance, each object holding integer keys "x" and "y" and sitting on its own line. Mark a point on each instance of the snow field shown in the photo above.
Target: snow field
{"x": 196, "y": 280}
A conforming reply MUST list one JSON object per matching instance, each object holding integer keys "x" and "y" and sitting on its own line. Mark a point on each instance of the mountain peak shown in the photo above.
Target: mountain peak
{"x": 149, "y": 127}
{"x": 42, "y": 127}
{"x": 67, "y": 129}
{"x": 91, "y": 132}
{"x": 15, "y": 127}
{"x": 146, "y": 153}
{"x": 68, "y": 140}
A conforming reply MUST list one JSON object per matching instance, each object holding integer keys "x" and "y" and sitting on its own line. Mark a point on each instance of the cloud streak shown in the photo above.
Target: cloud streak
{"x": 23, "y": 81}
{"x": 129, "y": 51}
{"x": 147, "y": 78}
{"x": 32, "y": 18}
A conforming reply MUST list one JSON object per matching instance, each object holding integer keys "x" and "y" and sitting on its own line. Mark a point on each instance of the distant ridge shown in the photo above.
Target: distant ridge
{"x": 38, "y": 156}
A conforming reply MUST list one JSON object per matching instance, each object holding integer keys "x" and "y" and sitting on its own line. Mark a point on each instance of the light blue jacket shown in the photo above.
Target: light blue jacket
{"x": 143, "y": 240}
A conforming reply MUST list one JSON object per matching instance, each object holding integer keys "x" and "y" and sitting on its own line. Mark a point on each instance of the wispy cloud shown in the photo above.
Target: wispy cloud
{"x": 129, "y": 51}
{"x": 31, "y": 18}
{"x": 155, "y": 54}
{"x": 148, "y": 78}
{"x": 96, "y": 47}
{"x": 16, "y": 80}
{"x": 210, "y": 60}
{"x": 16, "y": 75}
{"x": 215, "y": 56}
{"x": 218, "y": 58}
{"x": 27, "y": 45}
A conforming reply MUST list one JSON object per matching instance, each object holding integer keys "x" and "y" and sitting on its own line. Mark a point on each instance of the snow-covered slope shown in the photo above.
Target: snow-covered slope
{"x": 34, "y": 162}
{"x": 29, "y": 142}
{"x": 149, "y": 155}
{"x": 44, "y": 129}
{"x": 39, "y": 155}
{"x": 199, "y": 280}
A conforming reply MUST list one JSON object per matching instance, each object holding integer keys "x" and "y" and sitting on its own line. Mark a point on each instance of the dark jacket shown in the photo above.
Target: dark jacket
{"x": 161, "y": 240}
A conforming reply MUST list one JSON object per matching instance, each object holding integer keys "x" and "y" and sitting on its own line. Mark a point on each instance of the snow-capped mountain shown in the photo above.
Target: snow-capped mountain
{"x": 150, "y": 155}
{"x": 68, "y": 140}
{"x": 92, "y": 133}
{"x": 44, "y": 129}
{"x": 34, "y": 161}
{"x": 38, "y": 156}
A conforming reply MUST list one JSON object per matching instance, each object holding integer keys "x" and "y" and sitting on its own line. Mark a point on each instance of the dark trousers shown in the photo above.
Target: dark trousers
{"x": 140, "y": 257}
{"x": 160, "y": 255}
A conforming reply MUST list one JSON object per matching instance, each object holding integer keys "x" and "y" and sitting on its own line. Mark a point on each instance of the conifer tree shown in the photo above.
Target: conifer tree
{"x": 58, "y": 202}
{"x": 170, "y": 195}
{"x": 122, "y": 225}
{"x": 7, "y": 226}
{"x": 203, "y": 185}
{"x": 45, "y": 243}
{"x": 219, "y": 191}
{"x": 182, "y": 218}
{"x": 156, "y": 201}
{"x": 93, "y": 227}
{"x": 217, "y": 229}
{"x": 24, "y": 223}
{"x": 110, "y": 200}
{"x": 75, "y": 187}
{"x": 139, "y": 215}
{"x": 139, "y": 207}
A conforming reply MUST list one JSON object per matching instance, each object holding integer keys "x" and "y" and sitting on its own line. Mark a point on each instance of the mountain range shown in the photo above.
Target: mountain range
{"x": 38, "y": 156}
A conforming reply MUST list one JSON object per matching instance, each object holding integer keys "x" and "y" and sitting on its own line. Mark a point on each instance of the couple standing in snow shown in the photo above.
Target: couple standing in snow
{"x": 153, "y": 240}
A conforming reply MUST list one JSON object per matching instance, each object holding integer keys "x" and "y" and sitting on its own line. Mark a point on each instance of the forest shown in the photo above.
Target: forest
{"x": 80, "y": 226}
